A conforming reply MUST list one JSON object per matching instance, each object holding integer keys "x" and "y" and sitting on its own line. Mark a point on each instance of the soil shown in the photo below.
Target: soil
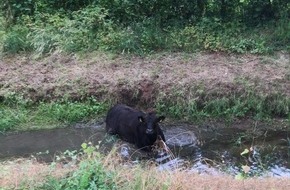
{"x": 141, "y": 79}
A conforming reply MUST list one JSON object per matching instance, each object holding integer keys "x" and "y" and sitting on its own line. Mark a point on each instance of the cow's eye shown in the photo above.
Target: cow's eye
{"x": 141, "y": 119}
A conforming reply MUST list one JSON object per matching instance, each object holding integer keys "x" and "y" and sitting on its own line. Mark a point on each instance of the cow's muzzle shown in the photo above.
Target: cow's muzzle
{"x": 149, "y": 131}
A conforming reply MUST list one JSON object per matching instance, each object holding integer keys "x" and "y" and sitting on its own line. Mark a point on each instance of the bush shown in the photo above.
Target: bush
{"x": 137, "y": 27}
{"x": 80, "y": 32}
{"x": 90, "y": 174}
{"x": 141, "y": 37}
{"x": 15, "y": 40}
{"x": 281, "y": 35}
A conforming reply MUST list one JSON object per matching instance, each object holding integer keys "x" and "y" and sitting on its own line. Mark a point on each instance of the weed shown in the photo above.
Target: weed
{"x": 13, "y": 110}
{"x": 10, "y": 118}
{"x": 93, "y": 170}
{"x": 91, "y": 173}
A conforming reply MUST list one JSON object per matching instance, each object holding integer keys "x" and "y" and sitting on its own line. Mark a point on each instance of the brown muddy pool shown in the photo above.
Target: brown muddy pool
{"x": 203, "y": 149}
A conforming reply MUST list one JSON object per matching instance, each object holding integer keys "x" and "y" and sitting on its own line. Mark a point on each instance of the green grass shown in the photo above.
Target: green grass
{"x": 194, "y": 106}
{"x": 96, "y": 171}
{"x": 199, "y": 107}
{"x": 91, "y": 174}
{"x": 23, "y": 115}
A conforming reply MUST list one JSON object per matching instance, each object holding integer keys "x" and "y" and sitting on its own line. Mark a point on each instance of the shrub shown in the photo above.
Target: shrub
{"x": 15, "y": 40}
{"x": 137, "y": 27}
{"x": 91, "y": 173}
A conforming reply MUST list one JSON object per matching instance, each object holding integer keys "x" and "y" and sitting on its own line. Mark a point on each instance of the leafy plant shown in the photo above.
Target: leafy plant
{"x": 91, "y": 173}
{"x": 15, "y": 40}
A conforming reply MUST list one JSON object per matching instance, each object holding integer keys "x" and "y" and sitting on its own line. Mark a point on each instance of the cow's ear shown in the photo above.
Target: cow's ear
{"x": 160, "y": 118}
{"x": 141, "y": 119}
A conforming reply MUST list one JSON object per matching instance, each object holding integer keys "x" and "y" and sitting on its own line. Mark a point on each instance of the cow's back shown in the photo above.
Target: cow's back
{"x": 123, "y": 120}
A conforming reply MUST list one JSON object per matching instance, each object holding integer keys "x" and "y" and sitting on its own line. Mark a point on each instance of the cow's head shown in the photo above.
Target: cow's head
{"x": 151, "y": 122}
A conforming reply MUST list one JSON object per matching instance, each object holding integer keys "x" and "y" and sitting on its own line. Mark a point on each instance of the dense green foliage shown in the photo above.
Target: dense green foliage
{"x": 142, "y": 26}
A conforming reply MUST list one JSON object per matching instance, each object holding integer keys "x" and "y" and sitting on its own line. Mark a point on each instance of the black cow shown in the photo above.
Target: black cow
{"x": 134, "y": 126}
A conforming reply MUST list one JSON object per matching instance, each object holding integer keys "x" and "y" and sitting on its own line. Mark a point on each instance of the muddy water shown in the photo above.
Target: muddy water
{"x": 47, "y": 143}
{"x": 200, "y": 149}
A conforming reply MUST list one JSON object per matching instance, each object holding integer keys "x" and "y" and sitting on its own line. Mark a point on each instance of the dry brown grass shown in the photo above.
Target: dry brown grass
{"x": 185, "y": 180}
{"x": 148, "y": 177}
{"x": 101, "y": 75}
{"x": 28, "y": 173}
{"x": 138, "y": 178}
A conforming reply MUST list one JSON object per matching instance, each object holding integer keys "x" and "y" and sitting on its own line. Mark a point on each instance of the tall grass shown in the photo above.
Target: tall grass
{"x": 91, "y": 28}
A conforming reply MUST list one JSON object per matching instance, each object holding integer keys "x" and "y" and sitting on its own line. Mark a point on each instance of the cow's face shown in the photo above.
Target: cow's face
{"x": 151, "y": 122}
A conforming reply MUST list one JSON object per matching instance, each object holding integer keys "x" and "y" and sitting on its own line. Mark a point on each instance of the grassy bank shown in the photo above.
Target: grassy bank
{"x": 61, "y": 90}
{"x": 96, "y": 171}
{"x": 193, "y": 106}
{"x": 21, "y": 114}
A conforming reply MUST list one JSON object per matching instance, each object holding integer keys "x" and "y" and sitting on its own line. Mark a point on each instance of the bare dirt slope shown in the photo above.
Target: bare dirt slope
{"x": 142, "y": 79}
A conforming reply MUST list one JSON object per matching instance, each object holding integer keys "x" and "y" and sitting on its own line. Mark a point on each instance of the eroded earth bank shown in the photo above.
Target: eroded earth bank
{"x": 136, "y": 80}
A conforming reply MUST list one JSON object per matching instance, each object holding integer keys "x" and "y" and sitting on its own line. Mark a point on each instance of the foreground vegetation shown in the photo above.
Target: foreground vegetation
{"x": 92, "y": 170}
